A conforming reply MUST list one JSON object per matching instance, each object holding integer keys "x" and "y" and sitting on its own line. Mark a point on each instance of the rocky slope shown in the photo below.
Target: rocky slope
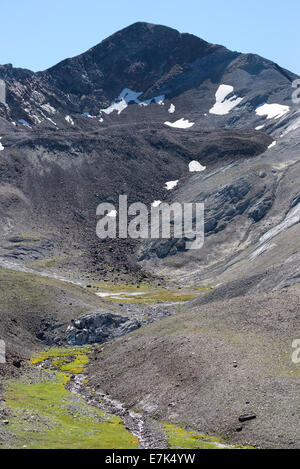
{"x": 127, "y": 117}
{"x": 210, "y": 366}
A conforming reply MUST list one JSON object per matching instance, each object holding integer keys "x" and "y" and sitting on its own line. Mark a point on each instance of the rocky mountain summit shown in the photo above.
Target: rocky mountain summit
{"x": 128, "y": 116}
{"x": 160, "y": 116}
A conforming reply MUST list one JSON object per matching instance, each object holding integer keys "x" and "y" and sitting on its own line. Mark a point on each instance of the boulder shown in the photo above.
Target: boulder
{"x": 99, "y": 327}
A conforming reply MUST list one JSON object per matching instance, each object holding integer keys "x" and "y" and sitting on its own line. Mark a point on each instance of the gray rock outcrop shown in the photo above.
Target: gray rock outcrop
{"x": 99, "y": 327}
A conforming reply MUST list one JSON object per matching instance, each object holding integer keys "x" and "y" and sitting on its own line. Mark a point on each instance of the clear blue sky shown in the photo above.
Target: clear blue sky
{"x": 36, "y": 34}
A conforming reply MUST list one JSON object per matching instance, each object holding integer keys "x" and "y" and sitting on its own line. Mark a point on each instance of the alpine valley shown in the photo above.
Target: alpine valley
{"x": 142, "y": 343}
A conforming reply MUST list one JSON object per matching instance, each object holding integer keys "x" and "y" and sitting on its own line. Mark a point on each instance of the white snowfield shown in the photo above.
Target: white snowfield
{"x": 259, "y": 127}
{"x": 69, "y": 120}
{"x": 171, "y": 109}
{"x": 159, "y": 100}
{"x": 180, "y": 124}
{"x": 156, "y": 203}
{"x": 272, "y": 111}
{"x": 129, "y": 96}
{"x": 272, "y": 144}
{"x": 24, "y": 122}
{"x": 1, "y": 146}
{"x": 87, "y": 114}
{"x": 224, "y": 106}
{"x": 171, "y": 184}
{"x": 196, "y": 167}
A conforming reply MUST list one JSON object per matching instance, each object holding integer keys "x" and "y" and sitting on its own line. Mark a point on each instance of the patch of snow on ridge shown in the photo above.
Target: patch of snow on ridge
{"x": 272, "y": 144}
{"x": 259, "y": 127}
{"x": 156, "y": 203}
{"x": 145, "y": 103}
{"x": 171, "y": 184}
{"x": 196, "y": 167}
{"x": 180, "y": 124}
{"x": 69, "y": 120}
{"x": 171, "y": 109}
{"x": 24, "y": 122}
{"x": 160, "y": 100}
{"x": 1, "y": 146}
{"x": 224, "y": 106}
{"x": 272, "y": 111}
{"x": 87, "y": 114}
{"x": 128, "y": 96}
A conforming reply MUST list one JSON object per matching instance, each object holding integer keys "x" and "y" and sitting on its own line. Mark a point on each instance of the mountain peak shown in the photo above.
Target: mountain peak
{"x": 135, "y": 57}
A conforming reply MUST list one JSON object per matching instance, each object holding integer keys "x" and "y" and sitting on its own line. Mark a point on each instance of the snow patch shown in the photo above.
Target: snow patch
{"x": 129, "y": 96}
{"x": 224, "y": 106}
{"x": 196, "y": 167}
{"x": 171, "y": 109}
{"x": 24, "y": 122}
{"x": 69, "y": 120}
{"x": 272, "y": 111}
{"x": 259, "y": 127}
{"x": 145, "y": 103}
{"x": 1, "y": 146}
{"x": 87, "y": 114}
{"x": 180, "y": 124}
{"x": 160, "y": 100}
{"x": 171, "y": 184}
{"x": 37, "y": 120}
{"x": 272, "y": 144}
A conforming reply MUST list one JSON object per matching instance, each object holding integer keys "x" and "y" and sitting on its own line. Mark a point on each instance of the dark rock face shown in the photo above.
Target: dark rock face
{"x": 130, "y": 58}
{"x": 63, "y": 155}
{"x": 99, "y": 327}
{"x": 152, "y": 60}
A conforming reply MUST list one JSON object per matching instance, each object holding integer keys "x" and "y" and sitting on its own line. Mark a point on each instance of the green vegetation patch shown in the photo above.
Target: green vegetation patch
{"x": 76, "y": 366}
{"x": 60, "y": 353}
{"x": 44, "y": 415}
{"x": 48, "y": 262}
{"x": 180, "y": 438}
{"x": 145, "y": 295}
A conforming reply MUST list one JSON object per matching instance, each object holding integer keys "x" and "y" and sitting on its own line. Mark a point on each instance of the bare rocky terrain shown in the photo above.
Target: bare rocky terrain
{"x": 198, "y": 339}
